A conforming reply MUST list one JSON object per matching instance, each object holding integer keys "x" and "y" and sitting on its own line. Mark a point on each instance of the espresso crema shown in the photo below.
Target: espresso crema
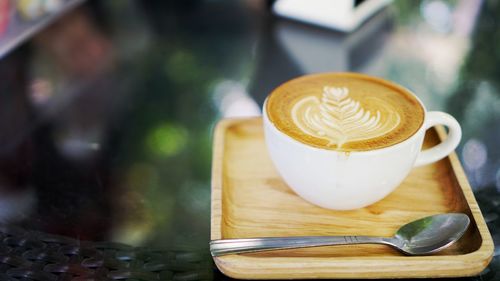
{"x": 344, "y": 111}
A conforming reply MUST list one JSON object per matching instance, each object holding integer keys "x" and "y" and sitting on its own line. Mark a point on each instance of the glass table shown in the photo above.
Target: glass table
{"x": 106, "y": 117}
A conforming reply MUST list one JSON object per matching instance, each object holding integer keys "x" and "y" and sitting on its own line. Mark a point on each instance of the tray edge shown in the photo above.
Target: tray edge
{"x": 216, "y": 173}
{"x": 216, "y": 180}
{"x": 485, "y": 251}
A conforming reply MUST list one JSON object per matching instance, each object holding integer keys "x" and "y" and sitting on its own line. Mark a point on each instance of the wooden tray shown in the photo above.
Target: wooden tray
{"x": 249, "y": 199}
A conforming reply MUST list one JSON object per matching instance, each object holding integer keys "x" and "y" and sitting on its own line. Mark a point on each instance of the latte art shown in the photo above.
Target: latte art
{"x": 344, "y": 111}
{"x": 337, "y": 118}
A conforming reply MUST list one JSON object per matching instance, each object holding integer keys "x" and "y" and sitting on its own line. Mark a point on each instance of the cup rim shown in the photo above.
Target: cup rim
{"x": 370, "y": 151}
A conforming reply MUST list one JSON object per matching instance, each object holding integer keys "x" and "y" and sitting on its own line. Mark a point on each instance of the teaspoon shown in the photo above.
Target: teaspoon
{"x": 420, "y": 237}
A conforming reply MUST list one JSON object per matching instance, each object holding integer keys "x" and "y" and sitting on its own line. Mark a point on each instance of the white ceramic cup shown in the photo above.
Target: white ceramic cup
{"x": 345, "y": 181}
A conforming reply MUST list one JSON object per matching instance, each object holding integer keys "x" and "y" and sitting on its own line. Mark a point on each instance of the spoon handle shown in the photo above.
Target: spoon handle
{"x": 247, "y": 245}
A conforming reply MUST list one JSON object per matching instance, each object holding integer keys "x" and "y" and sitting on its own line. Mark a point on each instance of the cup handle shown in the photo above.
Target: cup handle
{"x": 441, "y": 150}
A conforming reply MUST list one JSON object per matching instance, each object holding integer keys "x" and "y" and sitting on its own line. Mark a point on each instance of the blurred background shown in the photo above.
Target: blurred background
{"x": 107, "y": 107}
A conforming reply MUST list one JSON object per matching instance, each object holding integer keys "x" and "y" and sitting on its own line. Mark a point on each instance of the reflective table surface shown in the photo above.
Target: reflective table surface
{"x": 106, "y": 116}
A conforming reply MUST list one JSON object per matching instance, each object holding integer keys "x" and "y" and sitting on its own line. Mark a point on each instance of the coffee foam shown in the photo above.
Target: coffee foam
{"x": 344, "y": 111}
{"x": 339, "y": 119}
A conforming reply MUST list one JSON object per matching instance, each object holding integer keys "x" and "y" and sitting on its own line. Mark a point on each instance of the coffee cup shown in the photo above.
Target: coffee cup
{"x": 346, "y": 140}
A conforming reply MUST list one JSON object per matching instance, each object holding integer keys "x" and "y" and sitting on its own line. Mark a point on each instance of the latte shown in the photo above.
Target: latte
{"x": 344, "y": 111}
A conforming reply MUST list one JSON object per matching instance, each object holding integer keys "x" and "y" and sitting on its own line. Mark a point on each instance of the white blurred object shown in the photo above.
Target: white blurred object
{"x": 318, "y": 50}
{"x": 77, "y": 144}
{"x": 342, "y": 15}
{"x": 233, "y": 100}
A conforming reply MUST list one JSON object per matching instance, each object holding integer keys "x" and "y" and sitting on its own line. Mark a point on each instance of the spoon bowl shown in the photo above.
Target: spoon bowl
{"x": 420, "y": 237}
{"x": 431, "y": 234}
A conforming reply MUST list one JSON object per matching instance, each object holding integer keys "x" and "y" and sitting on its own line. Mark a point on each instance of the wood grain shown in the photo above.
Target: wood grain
{"x": 249, "y": 199}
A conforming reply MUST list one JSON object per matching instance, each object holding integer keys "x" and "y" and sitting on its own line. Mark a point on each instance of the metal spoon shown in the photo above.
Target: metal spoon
{"x": 424, "y": 236}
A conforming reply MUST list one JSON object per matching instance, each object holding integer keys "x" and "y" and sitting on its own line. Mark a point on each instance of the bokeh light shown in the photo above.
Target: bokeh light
{"x": 41, "y": 91}
{"x": 475, "y": 154}
{"x": 438, "y": 15}
{"x": 167, "y": 140}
